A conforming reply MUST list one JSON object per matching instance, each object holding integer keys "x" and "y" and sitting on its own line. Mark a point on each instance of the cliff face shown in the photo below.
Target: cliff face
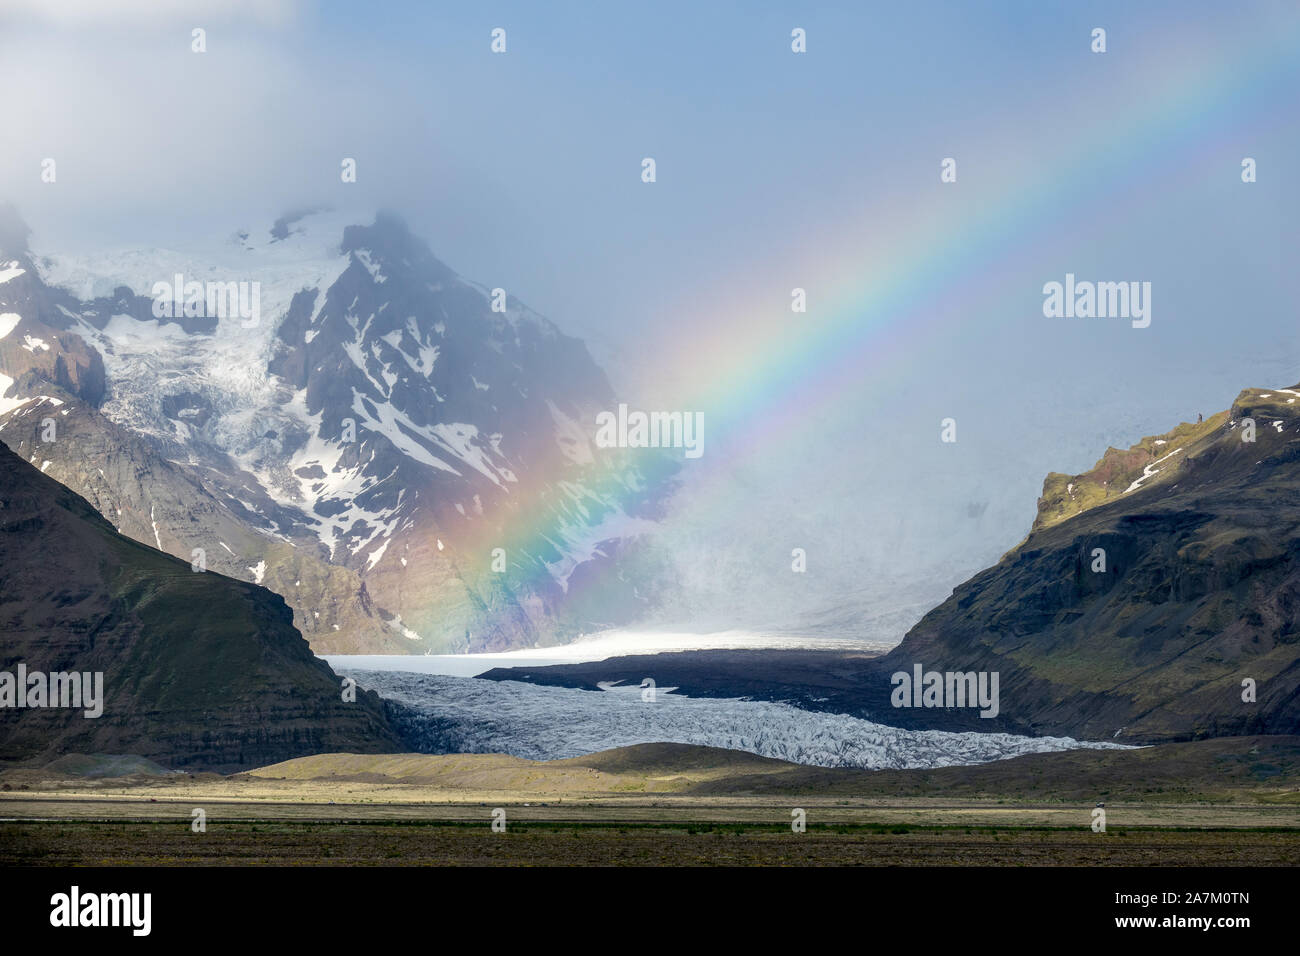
{"x": 199, "y": 670}
{"x": 1149, "y": 589}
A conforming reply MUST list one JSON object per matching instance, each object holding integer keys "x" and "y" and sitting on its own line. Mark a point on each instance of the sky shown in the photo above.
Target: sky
{"x": 775, "y": 170}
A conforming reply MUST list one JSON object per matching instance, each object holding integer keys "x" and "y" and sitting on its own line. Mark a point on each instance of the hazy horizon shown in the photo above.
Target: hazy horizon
{"x": 775, "y": 170}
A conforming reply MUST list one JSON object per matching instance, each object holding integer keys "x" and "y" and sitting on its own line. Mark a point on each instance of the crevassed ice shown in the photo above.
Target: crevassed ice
{"x": 469, "y": 715}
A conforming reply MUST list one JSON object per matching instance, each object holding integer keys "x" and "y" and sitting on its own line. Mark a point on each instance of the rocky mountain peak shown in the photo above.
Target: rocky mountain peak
{"x": 424, "y": 438}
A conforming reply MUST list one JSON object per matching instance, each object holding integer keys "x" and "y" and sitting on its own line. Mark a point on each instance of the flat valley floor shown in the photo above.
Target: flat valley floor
{"x": 1226, "y": 802}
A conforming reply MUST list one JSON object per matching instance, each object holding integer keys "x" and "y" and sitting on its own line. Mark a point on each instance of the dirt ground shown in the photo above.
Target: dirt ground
{"x": 667, "y": 805}
{"x": 638, "y": 844}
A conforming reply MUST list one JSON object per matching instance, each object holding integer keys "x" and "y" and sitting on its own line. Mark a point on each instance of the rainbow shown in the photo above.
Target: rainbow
{"x": 876, "y": 300}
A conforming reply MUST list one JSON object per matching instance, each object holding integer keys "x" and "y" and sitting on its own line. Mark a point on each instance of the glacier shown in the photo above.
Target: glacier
{"x": 443, "y": 714}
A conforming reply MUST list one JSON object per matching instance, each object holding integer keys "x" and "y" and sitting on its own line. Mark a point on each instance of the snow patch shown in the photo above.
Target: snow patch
{"x": 8, "y": 404}
{"x": 376, "y": 555}
{"x": 397, "y": 625}
{"x": 571, "y": 437}
{"x": 1150, "y": 471}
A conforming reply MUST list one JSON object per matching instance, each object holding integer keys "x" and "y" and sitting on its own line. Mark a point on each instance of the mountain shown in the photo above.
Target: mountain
{"x": 1199, "y": 591}
{"x": 169, "y": 506}
{"x": 401, "y": 453}
{"x": 199, "y": 671}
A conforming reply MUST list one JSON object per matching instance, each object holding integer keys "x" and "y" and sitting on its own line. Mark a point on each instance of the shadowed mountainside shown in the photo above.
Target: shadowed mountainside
{"x": 1148, "y": 590}
{"x": 200, "y": 671}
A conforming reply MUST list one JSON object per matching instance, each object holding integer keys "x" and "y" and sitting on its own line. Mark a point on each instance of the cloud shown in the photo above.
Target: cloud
{"x": 72, "y": 14}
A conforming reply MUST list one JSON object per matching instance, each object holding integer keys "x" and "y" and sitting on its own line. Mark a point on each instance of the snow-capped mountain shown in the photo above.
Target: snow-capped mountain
{"x": 327, "y": 409}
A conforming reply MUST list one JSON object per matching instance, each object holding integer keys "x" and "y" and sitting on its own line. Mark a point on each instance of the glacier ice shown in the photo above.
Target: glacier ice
{"x": 468, "y": 715}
